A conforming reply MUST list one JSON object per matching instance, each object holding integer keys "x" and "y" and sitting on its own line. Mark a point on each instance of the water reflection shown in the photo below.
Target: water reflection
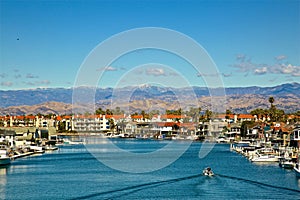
{"x": 298, "y": 182}
{"x": 3, "y": 181}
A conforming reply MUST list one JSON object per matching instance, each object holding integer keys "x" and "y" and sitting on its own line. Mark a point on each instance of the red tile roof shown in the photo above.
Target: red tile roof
{"x": 137, "y": 116}
{"x": 172, "y": 116}
{"x": 167, "y": 124}
{"x": 245, "y": 116}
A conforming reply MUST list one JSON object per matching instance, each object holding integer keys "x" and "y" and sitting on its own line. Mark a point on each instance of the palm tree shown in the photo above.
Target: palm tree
{"x": 112, "y": 124}
{"x": 271, "y": 101}
{"x": 208, "y": 114}
{"x": 272, "y": 110}
{"x": 194, "y": 113}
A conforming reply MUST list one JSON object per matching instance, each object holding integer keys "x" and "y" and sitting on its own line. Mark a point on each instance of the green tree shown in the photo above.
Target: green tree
{"x": 244, "y": 127}
{"x": 153, "y": 112}
{"x": 112, "y": 125}
{"x": 118, "y": 111}
{"x": 174, "y": 112}
{"x": 61, "y": 126}
{"x": 99, "y": 111}
{"x": 271, "y": 100}
{"x": 87, "y": 113}
{"x": 279, "y": 115}
{"x": 108, "y": 112}
{"x": 259, "y": 112}
{"x": 134, "y": 114}
{"x": 208, "y": 114}
{"x": 194, "y": 113}
{"x": 145, "y": 115}
{"x": 272, "y": 110}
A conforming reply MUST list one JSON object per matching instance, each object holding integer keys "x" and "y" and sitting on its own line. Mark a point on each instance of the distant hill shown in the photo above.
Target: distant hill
{"x": 147, "y": 97}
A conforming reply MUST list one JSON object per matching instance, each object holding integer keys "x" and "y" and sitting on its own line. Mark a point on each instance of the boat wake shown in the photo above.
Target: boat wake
{"x": 260, "y": 183}
{"x": 136, "y": 188}
{"x": 132, "y": 189}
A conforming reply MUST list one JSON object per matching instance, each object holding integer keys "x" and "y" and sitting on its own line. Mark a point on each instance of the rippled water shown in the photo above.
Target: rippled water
{"x": 73, "y": 173}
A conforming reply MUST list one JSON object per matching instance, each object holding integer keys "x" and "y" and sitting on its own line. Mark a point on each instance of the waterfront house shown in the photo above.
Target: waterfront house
{"x": 7, "y": 137}
{"x": 234, "y": 132}
{"x": 137, "y": 118}
{"x": 91, "y": 123}
{"x": 295, "y": 136}
{"x": 211, "y": 128}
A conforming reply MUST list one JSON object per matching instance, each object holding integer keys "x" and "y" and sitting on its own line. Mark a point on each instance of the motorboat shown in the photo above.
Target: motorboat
{"x": 207, "y": 172}
{"x": 222, "y": 139}
{"x": 264, "y": 158}
{"x": 50, "y": 148}
{"x": 37, "y": 149}
{"x": 4, "y": 158}
{"x": 286, "y": 163}
{"x": 69, "y": 142}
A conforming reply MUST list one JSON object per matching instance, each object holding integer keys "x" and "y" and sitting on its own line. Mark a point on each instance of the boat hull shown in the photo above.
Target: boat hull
{"x": 287, "y": 165}
{"x": 297, "y": 172}
{"x": 5, "y": 161}
{"x": 265, "y": 159}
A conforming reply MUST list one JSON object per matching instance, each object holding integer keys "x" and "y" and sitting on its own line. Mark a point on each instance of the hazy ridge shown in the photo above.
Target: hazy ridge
{"x": 146, "y": 97}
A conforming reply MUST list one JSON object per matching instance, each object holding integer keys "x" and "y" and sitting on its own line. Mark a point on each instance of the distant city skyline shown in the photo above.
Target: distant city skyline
{"x": 253, "y": 43}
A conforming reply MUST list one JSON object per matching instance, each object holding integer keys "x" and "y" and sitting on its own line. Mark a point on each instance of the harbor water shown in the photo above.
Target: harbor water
{"x": 72, "y": 172}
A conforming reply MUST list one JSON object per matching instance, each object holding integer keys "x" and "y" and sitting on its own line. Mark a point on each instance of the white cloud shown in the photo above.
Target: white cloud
{"x": 108, "y": 68}
{"x": 290, "y": 69}
{"x": 155, "y": 71}
{"x": 296, "y": 74}
{"x": 246, "y": 66}
{"x": 260, "y": 71}
{"x": 207, "y": 75}
{"x": 28, "y": 83}
{"x": 280, "y": 57}
{"x": 6, "y": 83}
{"x": 241, "y": 57}
{"x": 227, "y": 75}
{"x": 43, "y": 82}
{"x": 37, "y": 83}
{"x": 31, "y": 76}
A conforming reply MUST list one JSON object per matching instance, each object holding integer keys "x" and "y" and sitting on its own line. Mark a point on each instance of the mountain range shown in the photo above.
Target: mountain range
{"x": 147, "y": 97}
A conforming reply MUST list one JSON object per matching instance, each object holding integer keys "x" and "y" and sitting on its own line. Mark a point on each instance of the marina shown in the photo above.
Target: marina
{"x": 72, "y": 172}
{"x": 150, "y": 100}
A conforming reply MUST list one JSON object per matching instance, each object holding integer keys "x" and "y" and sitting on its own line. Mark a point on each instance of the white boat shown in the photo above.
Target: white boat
{"x": 37, "y": 149}
{"x": 4, "y": 158}
{"x": 50, "y": 148}
{"x": 207, "y": 172}
{"x": 264, "y": 158}
{"x": 69, "y": 142}
{"x": 286, "y": 163}
{"x": 222, "y": 139}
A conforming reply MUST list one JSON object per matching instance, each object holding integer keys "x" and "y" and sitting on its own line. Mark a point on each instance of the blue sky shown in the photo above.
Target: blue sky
{"x": 44, "y": 43}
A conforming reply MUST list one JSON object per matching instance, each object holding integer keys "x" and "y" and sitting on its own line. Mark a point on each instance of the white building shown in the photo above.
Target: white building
{"x": 91, "y": 123}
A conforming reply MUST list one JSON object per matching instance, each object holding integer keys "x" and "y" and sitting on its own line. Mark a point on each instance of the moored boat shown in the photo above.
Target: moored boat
{"x": 297, "y": 167}
{"x": 286, "y": 163}
{"x": 264, "y": 158}
{"x": 69, "y": 142}
{"x": 4, "y": 158}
